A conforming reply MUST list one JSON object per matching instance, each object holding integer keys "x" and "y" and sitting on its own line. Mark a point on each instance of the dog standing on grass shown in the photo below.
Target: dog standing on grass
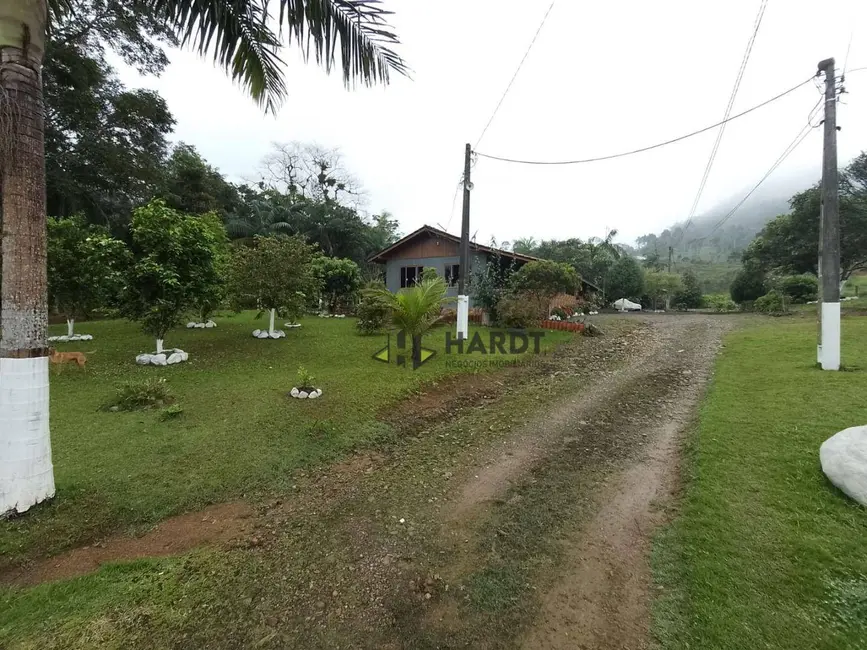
{"x": 79, "y": 358}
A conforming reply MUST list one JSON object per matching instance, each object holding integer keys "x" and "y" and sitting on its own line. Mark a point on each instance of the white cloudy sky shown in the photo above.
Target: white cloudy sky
{"x": 603, "y": 77}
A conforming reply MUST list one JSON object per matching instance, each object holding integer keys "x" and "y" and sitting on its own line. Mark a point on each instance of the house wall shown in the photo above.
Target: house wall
{"x": 392, "y": 268}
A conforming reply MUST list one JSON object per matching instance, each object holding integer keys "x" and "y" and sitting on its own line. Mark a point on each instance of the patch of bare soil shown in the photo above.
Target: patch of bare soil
{"x": 213, "y": 525}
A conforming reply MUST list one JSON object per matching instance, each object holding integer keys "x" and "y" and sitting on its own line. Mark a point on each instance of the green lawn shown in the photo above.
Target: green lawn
{"x": 765, "y": 552}
{"x": 239, "y": 436}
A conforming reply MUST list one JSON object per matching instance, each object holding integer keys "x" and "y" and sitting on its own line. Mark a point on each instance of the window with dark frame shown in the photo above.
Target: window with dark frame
{"x": 453, "y": 272}
{"x": 410, "y": 275}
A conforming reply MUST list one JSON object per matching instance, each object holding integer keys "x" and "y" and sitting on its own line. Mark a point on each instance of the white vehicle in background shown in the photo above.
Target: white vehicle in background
{"x": 626, "y": 305}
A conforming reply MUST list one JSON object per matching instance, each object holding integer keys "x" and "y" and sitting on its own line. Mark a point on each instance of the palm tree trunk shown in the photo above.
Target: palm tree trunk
{"x": 26, "y": 472}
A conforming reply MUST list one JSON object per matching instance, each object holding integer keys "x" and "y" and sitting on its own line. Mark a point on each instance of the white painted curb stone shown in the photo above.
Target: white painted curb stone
{"x": 291, "y": 325}
{"x": 208, "y": 325}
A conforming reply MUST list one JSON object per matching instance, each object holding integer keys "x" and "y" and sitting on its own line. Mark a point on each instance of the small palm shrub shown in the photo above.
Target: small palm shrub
{"x": 371, "y": 313}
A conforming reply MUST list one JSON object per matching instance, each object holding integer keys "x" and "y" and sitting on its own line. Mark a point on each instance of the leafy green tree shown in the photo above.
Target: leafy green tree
{"x": 85, "y": 268}
{"x": 690, "y": 295}
{"x": 750, "y": 283}
{"x": 653, "y": 262}
{"x": 213, "y": 294}
{"x": 340, "y": 280}
{"x": 192, "y": 186}
{"x": 175, "y": 266}
{"x": 544, "y": 279}
{"x": 372, "y": 313}
{"x": 276, "y": 274}
{"x": 660, "y": 285}
{"x": 415, "y": 309}
{"x": 383, "y": 232}
{"x": 625, "y": 279}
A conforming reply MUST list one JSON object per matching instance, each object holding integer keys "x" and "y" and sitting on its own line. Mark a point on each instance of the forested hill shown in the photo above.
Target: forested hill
{"x": 707, "y": 239}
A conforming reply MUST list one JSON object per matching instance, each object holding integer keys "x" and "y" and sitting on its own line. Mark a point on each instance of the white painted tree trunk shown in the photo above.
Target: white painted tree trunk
{"x": 70, "y": 326}
{"x": 26, "y": 472}
{"x": 159, "y": 346}
{"x": 271, "y": 322}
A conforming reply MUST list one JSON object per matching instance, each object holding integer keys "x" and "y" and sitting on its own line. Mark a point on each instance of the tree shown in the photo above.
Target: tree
{"x": 192, "y": 186}
{"x": 275, "y": 274}
{"x": 105, "y": 145}
{"x": 340, "y": 280}
{"x": 545, "y": 279}
{"x": 750, "y": 283}
{"x": 489, "y": 283}
{"x": 85, "y": 268}
{"x": 175, "y": 268}
{"x": 625, "y": 279}
{"x": 415, "y": 309}
{"x": 238, "y": 36}
{"x": 690, "y": 295}
{"x": 660, "y": 285}
{"x": 212, "y": 295}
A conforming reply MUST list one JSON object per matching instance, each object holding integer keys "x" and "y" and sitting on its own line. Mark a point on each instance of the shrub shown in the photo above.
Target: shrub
{"x": 339, "y": 281}
{"x": 490, "y": 282}
{"x": 304, "y": 379}
{"x": 748, "y": 284}
{"x": 689, "y": 296}
{"x": 720, "y": 302}
{"x": 141, "y": 395}
{"x": 564, "y": 302}
{"x": 519, "y": 311}
{"x": 773, "y": 302}
{"x": 800, "y": 288}
{"x": 372, "y": 314}
{"x": 625, "y": 280}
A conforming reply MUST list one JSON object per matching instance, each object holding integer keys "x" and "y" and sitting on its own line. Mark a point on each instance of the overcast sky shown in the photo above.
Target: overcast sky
{"x": 603, "y": 77}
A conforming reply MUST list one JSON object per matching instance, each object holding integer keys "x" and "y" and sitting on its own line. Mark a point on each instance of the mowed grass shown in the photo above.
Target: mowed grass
{"x": 239, "y": 436}
{"x": 765, "y": 552}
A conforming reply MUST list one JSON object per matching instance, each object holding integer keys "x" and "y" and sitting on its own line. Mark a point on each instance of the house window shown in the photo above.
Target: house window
{"x": 453, "y": 272}
{"x": 410, "y": 275}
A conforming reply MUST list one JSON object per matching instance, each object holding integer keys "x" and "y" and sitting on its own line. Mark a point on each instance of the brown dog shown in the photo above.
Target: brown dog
{"x": 60, "y": 358}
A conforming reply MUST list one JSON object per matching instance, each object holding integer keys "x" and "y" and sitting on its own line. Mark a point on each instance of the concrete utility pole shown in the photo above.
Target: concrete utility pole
{"x": 463, "y": 316}
{"x": 829, "y": 231}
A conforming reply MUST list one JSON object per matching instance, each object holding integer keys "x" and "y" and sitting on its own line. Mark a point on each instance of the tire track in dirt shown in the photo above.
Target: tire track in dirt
{"x": 602, "y": 599}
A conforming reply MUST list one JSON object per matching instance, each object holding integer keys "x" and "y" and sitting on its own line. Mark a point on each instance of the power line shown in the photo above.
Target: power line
{"x": 729, "y": 106}
{"x": 454, "y": 202}
{"x": 517, "y": 71}
{"x": 802, "y": 134}
{"x": 653, "y": 146}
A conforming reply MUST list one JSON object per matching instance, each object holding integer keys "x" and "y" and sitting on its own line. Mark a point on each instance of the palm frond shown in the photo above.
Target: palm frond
{"x": 362, "y": 29}
{"x": 236, "y": 34}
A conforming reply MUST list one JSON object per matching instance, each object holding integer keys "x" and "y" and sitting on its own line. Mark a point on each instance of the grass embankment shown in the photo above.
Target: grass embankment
{"x": 239, "y": 436}
{"x": 765, "y": 552}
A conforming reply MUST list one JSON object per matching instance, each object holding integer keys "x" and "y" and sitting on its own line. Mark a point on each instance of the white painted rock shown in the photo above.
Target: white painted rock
{"x": 291, "y": 325}
{"x": 313, "y": 395}
{"x": 294, "y": 392}
{"x": 174, "y": 357}
{"x": 844, "y": 461}
{"x": 166, "y": 358}
{"x": 143, "y": 359}
{"x": 190, "y": 326}
{"x": 277, "y": 334}
{"x": 339, "y": 315}
{"x": 256, "y": 333}
{"x": 210, "y": 324}
{"x": 159, "y": 359}
{"x": 74, "y": 337}
{"x": 200, "y": 326}
{"x": 302, "y": 394}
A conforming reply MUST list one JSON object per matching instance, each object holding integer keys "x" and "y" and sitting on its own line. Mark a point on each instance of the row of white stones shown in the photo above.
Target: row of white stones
{"x": 167, "y": 358}
{"x": 74, "y": 337}
{"x": 209, "y": 325}
{"x": 303, "y": 394}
